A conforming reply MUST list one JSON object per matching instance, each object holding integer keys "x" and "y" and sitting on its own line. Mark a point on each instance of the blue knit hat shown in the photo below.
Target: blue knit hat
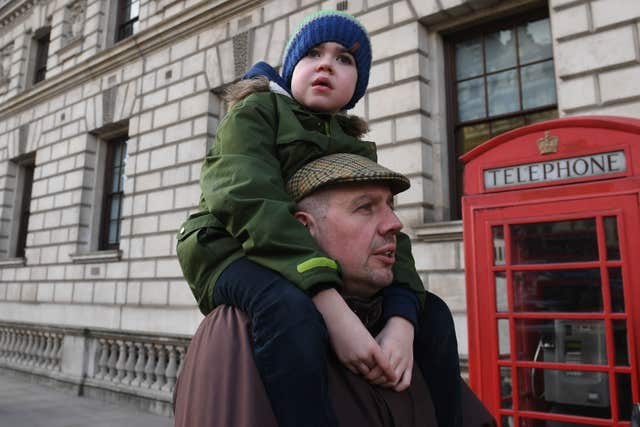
{"x": 331, "y": 26}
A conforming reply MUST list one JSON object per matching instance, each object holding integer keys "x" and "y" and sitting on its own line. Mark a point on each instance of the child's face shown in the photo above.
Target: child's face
{"x": 325, "y": 79}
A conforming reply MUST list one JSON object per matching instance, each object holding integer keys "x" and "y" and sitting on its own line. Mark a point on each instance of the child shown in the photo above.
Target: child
{"x": 245, "y": 248}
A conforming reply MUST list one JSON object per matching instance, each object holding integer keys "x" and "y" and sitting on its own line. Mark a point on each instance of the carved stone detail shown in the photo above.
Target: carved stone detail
{"x": 73, "y": 27}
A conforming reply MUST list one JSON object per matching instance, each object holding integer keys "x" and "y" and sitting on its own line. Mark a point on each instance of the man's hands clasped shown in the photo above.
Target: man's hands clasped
{"x": 386, "y": 361}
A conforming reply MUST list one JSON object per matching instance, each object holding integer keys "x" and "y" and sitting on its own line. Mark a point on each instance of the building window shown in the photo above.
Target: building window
{"x": 113, "y": 194}
{"x": 41, "y": 55}
{"x": 501, "y": 77}
{"x": 26, "y": 167}
{"x": 127, "y": 18}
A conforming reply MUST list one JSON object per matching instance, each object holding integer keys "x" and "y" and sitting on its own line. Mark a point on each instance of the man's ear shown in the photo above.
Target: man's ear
{"x": 307, "y": 220}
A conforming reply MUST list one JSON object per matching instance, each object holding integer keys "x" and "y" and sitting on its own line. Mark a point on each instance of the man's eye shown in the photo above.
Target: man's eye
{"x": 367, "y": 207}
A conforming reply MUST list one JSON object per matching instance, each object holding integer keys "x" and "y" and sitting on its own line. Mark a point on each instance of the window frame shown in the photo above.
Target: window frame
{"x": 123, "y": 22}
{"x": 25, "y": 168}
{"x": 108, "y": 194}
{"x": 41, "y": 42}
{"x": 450, "y": 40}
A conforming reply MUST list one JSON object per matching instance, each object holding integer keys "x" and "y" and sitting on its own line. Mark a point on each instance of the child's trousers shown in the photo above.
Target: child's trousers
{"x": 290, "y": 341}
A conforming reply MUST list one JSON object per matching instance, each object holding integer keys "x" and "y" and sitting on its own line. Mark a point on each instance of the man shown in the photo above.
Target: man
{"x": 346, "y": 202}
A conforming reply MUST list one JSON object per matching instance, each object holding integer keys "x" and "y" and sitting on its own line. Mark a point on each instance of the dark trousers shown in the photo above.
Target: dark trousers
{"x": 290, "y": 342}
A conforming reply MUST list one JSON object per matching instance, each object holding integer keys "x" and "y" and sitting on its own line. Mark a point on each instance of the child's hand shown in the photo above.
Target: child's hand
{"x": 396, "y": 341}
{"x": 353, "y": 344}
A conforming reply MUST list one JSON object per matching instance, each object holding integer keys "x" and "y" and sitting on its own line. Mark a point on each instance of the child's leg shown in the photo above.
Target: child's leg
{"x": 290, "y": 342}
{"x": 436, "y": 353}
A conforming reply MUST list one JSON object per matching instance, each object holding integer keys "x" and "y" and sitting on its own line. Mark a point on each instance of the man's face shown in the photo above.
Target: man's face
{"x": 325, "y": 79}
{"x": 359, "y": 231}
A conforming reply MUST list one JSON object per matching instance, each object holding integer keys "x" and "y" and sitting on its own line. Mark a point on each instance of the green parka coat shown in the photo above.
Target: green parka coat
{"x": 244, "y": 209}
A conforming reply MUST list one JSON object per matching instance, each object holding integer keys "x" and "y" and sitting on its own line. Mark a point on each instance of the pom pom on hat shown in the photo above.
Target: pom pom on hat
{"x": 331, "y": 26}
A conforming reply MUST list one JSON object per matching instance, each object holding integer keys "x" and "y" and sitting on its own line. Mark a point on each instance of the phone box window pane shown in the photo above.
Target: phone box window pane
{"x": 506, "y": 391}
{"x": 554, "y": 242}
{"x": 611, "y": 237}
{"x": 500, "y": 48}
{"x": 572, "y": 291}
{"x": 625, "y": 402}
{"x": 572, "y": 392}
{"x": 620, "y": 341}
{"x": 561, "y": 341}
{"x": 616, "y": 289}
{"x": 538, "y": 85}
{"x": 502, "y": 304}
{"x": 504, "y": 96}
{"x": 504, "y": 340}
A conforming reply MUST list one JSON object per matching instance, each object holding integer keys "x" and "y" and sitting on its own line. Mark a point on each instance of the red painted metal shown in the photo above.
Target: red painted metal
{"x": 612, "y": 195}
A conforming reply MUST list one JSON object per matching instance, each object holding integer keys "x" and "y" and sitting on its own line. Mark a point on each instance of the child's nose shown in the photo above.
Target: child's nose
{"x": 324, "y": 63}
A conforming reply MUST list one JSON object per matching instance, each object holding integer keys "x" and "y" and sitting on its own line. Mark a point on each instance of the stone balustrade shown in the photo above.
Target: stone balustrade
{"x": 98, "y": 362}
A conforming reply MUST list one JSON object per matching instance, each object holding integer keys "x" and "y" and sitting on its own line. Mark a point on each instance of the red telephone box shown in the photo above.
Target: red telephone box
{"x": 551, "y": 218}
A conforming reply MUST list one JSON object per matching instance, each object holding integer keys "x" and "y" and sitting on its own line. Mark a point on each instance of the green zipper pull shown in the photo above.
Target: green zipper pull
{"x": 327, "y": 128}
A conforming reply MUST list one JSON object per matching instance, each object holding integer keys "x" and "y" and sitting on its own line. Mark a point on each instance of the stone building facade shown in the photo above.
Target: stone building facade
{"x": 94, "y": 272}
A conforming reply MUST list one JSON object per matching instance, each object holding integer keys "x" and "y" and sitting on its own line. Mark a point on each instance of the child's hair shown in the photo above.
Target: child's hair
{"x": 331, "y": 26}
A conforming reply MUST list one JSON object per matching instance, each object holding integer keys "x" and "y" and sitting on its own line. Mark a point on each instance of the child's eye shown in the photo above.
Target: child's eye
{"x": 313, "y": 53}
{"x": 345, "y": 59}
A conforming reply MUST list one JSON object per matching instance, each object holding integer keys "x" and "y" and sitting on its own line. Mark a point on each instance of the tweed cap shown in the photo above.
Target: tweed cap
{"x": 331, "y": 26}
{"x": 342, "y": 168}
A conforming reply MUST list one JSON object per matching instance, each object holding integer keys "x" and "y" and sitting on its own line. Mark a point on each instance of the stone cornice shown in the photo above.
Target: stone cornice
{"x": 186, "y": 22}
{"x": 13, "y": 9}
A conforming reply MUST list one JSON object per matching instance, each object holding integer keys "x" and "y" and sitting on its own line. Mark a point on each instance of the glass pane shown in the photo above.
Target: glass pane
{"x": 551, "y": 242}
{"x": 564, "y": 392}
{"x": 504, "y": 340}
{"x": 471, "y": 136}
{"x": 505, "y": 388}
{"x": 611, "y": 238}
{"x": 530, "y": 422}
{"x": 500, "y": 48}
{"x": 504, "y": 125}
{"x": 538, "y": 85}
{"x": 624, "y": 396}
{"x": 134, "y": 10}
{"x": 561, "y": 341}
{"x": 502, "y": 304}
{"x": 616, "y": 289}
{"x": 507, "y": 421}
{"x": 114, "y": 209}
{"x": 469, "y": 58}
{"x": 576, "y": 291}
{"x": 498, "y": 245}
{"x": 136, "y": 27}
{"x": 114, "y": 231}
{"x": 504, "y": 96}
{"x": 534, "y": 41}
{"x": 620, "y": 341}
{"x": 117, "y": 180}
{"x": 541, "y": 116}
{"x": 471, "y": 100}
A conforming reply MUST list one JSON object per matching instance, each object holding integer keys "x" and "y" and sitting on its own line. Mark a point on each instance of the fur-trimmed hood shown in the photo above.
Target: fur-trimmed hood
{"x": 351, "y": 124}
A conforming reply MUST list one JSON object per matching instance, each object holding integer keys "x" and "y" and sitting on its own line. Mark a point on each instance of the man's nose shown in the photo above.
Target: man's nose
{"x": 391, "y": 224}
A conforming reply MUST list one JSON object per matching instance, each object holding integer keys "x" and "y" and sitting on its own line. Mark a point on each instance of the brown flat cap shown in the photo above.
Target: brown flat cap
{"x": 342, "y": 168}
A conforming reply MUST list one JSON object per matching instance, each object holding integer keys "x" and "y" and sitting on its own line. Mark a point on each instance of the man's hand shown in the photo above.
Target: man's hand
{"x": 353, "y": 344}
{"x": 396, "y": 341}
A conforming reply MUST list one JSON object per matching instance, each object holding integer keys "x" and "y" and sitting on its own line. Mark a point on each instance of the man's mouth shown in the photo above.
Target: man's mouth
{"x": 388, "y": 252}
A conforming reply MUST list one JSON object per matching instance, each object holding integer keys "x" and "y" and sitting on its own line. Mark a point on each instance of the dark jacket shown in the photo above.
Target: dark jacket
{"x": 244, "y": 209}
